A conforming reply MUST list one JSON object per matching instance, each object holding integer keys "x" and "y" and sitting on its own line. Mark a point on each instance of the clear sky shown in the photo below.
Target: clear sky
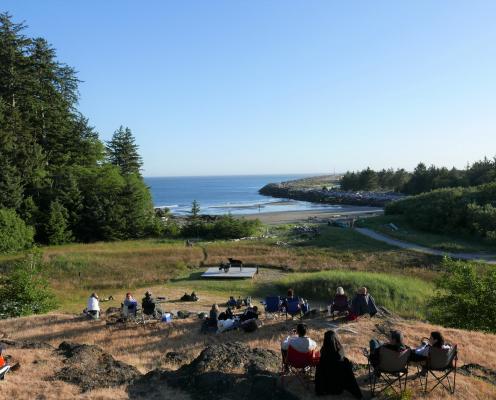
{"x": 250, "y": 87}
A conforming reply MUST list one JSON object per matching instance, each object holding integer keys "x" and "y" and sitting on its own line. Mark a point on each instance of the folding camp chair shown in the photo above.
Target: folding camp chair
{"x": 3, "y": 372}
{"x": 441, "y": 363}
{"x": 301, "y": 365}
{"x": 293, "y": 308}
{"x": 272, "y": 305}
{"x": 392, "y": 368}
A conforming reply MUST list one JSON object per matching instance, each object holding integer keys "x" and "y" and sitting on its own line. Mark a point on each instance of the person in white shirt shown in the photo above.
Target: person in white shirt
{"x": 435, "y": 340}
{"x": 93, "y": 306}
{"x": 301, "y": 343}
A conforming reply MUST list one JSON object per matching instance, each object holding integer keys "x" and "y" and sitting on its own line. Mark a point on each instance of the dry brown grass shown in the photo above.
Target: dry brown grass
{"x": 146, "y": 348}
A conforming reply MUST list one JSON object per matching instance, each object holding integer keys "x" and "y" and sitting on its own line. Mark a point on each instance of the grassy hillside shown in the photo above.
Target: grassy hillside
{"x": 448, "y": 242}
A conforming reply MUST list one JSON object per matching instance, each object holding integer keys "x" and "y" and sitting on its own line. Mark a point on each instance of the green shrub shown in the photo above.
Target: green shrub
{"x": 225, "y": 227}
{"x": 405, "y": 296}
{"x": 455, "y": 210}
{"x": 464, "y": 297}
{"x": 24, "y": 289}
{"x": 14, "y": 234}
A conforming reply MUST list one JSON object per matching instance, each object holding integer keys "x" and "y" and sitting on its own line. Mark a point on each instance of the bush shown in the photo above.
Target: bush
{"x": 464, "y": 297}
{"x": 455, "y": 210}
{"x": 225, "y": 227}
{"x": 403, "y": 295}
{"x": 24, "y": 290}
{"x": 15, "y": 235}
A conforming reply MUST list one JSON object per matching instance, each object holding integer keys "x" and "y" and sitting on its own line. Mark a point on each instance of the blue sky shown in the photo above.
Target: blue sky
{"x": 250, "y": 87}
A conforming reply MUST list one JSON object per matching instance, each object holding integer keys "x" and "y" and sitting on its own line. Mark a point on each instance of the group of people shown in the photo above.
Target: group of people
{"x": 361, "y": 304}
{"x": 334, "y": 371}
{"x": 129, "y": 306}
{"x": 226, "y": 320}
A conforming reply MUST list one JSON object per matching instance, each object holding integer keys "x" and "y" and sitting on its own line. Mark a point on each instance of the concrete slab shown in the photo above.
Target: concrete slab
{"x": 234, "y": 273}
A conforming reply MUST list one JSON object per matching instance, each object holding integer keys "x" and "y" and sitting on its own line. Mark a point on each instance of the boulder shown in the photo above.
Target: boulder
{"x": 90, "y": 367}
{"x": 227, "y": 371}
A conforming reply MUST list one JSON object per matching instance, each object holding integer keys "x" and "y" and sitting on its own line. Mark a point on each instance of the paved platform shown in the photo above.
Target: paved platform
{"x": 234, "y": 273}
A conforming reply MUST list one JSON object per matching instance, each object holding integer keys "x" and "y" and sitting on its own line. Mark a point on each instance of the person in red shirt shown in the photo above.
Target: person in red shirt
{"x": 2, "y": 360}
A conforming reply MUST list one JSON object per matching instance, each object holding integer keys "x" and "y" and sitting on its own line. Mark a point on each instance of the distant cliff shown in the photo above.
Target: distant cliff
{"x": 286, "y": 190}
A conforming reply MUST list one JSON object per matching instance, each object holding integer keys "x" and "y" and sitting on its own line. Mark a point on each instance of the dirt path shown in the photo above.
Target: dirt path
{"x": 486, "y": 258}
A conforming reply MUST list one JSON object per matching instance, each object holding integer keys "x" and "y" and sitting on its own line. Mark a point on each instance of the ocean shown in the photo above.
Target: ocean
{"x": 220, "y": 195}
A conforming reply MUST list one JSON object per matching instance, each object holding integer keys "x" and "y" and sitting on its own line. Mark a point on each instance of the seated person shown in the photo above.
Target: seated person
{"x": 363, "y": 303}
{"x": 334, "y": 373}
{"x": 232, "y": 302}
{"x": 300, "y": 342}
{"x": 289, "y": 297}
{"x": 250, "y": 313}
{"x": 340, "y": 302}
{"x": 189, "y": 297}
{"x": 129, "y": 305}
{"x": 210, "y": 323}
{"x": 3, "y": 363}
{"x": 228, "y": 314}
{"x": 436, "y": 340}
{"x": 395, "y": 343}
{"x": 194, "y": 297}
{"x": 93, "y": 306}
{"x": 150, "y": 306}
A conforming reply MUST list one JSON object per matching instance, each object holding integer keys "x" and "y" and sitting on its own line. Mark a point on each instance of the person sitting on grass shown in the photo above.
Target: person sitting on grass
{"x": 298, "y": 341}
{"x": 436, "y": 340}
{"x": 363, "y": 303}
{"x": 149, "y": 306}
{"x": 228, "y": 314}
{"x": 340, "y": 302}
{"x": 93, "y": 306}
{"x": 129, "y": 305}
{"x": 395, "y": 343}
{"x": 334, "y": 373}
{"x": 250, "y": 313}
{"x": 232, "y": 302}
{"x": 210, "y": 323}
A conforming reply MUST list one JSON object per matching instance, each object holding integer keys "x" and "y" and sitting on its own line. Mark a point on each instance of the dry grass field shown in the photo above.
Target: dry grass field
{"x": 146, "y": 347}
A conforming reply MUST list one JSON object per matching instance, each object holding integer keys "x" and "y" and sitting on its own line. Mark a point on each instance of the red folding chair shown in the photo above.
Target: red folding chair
{"x": 301, "y": 365}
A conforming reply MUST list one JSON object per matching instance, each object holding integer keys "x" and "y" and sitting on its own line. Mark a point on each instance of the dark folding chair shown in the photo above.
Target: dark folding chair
{"x": 391, "y": 369}
{"x": 272, "y": 305}
{"x": 301, "y": 365}
{"x": 441, "y": 363}
{"x": 293, "y": 308}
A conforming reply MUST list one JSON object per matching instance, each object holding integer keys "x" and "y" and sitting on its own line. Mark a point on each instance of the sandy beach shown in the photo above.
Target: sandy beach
{"x": 288, "y": 217}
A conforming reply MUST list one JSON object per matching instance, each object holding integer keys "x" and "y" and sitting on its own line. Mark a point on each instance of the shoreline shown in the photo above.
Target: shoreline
{"x": 286, "y": 217}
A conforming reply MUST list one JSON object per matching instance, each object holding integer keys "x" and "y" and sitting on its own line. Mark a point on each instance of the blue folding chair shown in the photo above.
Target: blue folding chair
{"x": 293, "y": 308}
{"x": 272, "y": 305}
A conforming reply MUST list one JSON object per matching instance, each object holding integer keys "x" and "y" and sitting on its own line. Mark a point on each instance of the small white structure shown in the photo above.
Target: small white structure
{"x": 232, "y": 273}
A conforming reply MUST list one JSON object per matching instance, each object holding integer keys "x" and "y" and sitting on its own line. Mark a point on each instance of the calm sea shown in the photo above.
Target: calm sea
{"x": 219, "y": 195}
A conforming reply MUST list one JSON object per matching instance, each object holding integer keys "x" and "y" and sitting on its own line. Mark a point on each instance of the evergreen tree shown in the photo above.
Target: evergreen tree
{"x": 57, "y": 227}
{"x": 123, "y": 151}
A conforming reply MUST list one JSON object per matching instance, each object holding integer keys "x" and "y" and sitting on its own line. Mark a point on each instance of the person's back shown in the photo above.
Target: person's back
{"x": 148, "y": 304}
{"x": 340, "y": 303}
{"x": 363, "y": 303}
{"x": 301, "y": 342}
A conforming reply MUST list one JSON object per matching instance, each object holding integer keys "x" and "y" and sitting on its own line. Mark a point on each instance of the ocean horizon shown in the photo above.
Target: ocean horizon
{"x": 225, "y": 194}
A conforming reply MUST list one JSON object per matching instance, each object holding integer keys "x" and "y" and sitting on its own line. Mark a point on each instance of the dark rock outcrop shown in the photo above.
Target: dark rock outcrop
{"x": 222, "y": 371}
{"x": 286, "y": 191}
{"x": 90, "y": 367}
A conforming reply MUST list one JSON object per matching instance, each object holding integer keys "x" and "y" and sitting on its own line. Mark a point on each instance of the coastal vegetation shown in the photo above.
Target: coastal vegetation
{"x": 55, "y": 173}
{"x": 397, "y": 226}
{"x": 422, "y": 179}
{"x": 468, "y": 210}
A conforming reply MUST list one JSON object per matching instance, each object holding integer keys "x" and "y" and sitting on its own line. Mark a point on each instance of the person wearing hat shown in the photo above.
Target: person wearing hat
{"x": 149, "y": 306}
{"x": 93, "y": 306}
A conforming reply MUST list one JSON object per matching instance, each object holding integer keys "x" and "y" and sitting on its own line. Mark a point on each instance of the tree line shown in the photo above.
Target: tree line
{"x": 58, "y": 181}
{"x": 422, "y": 179}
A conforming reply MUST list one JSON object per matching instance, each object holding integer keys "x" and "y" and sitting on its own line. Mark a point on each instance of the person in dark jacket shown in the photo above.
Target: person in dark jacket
{"x": 340, "y": 302}
{"x": 250, "y": 313}
{"x": 149, "y": 306}
{"x": 363, "y": 303}
{"x": 395, "y": 343}
{"x": 334, "y": 372}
